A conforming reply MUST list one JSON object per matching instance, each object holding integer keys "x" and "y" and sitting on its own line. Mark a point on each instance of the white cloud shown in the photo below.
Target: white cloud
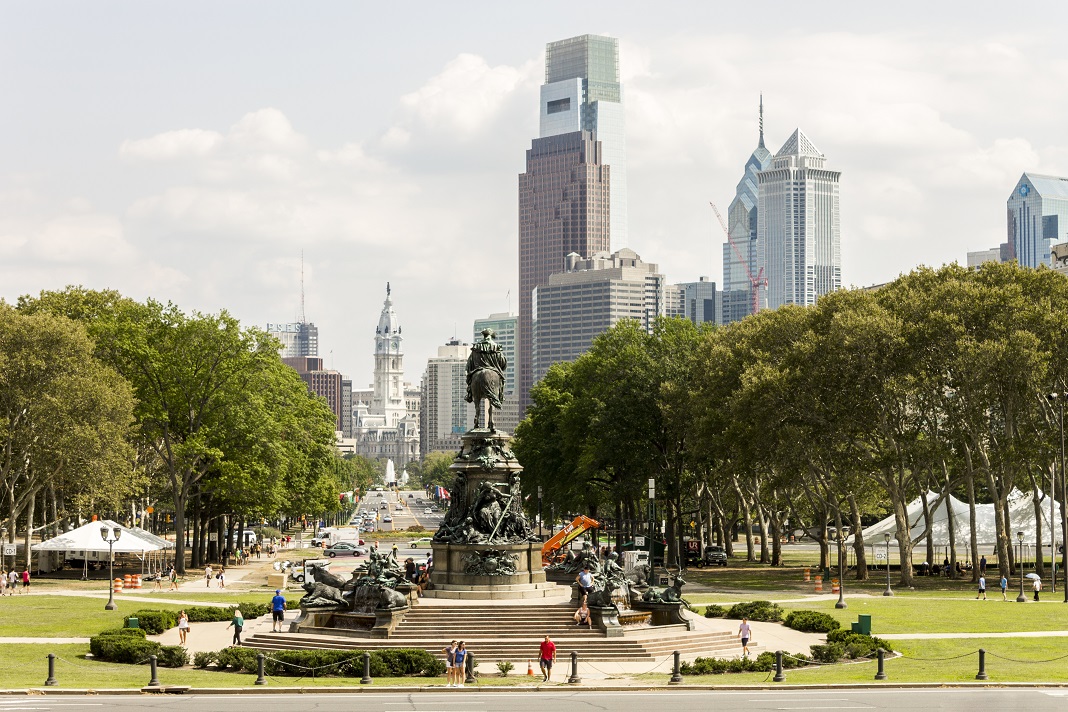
{"x": 171, "y": 145}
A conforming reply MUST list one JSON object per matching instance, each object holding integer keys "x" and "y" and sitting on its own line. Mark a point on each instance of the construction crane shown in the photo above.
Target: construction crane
{"x": 550, "y": 551}
{"x": 755, "y": 283}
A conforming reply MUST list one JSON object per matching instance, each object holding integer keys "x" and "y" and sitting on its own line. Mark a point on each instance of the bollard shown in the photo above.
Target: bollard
{"x": 260, "y": 679}
{"x": 676, "y": 673}
{"x": 469, "y": 670}
{"x": 51, "y": 681}
{"x": 779, "y": 677}
{"x": 982, "y": 666}
{"x": 366, "y": 679}
{"x": 574, "y": 679}
{"x": 881, "y": 673}
{"x": 154, "y": 682}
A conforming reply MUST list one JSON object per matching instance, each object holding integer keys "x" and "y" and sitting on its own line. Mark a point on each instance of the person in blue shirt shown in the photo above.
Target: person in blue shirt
{"x": 459, "y": 659}
{"x": 278, "y": 610}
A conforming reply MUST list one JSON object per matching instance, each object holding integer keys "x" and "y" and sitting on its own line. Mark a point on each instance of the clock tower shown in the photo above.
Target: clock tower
{"x": 389, "y": 367}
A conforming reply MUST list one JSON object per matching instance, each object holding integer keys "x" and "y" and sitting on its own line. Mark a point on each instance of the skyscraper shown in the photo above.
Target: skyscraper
{"x": 563, "y": 208}
{"x": 445, "y": 415}
{"x": 696, "y": 301}
{"x": 505, "y": 325}
{"x": 797, "y": 221}
{"x": 738, "y": 297}
{"x": 589, "y": 298}
{"x": 298, "y": 339}
{"x": 1037, "y": 218}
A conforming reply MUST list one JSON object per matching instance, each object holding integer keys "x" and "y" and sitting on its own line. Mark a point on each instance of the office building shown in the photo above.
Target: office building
{"x": 383, "y": 427}
{"x": 697, "y": 301}
{"x": 1037, "y": 218}
{"x": 298, "y": 339}
{"x": 322, "y": 382}
{"x": 445, "y": 415}
{"x": 798, "y": 224}
{"x": 994, "y": 254}
{"x": 588, "y": 299}
{"x": 505, "y": 325}
{"x": 742, "y": 261}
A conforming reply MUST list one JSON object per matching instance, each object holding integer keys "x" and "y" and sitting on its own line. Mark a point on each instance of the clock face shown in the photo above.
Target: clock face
{"x": 1024, "y": 190}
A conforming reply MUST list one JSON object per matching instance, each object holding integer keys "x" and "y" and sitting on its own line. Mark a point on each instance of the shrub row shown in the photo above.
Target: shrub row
{"x": 715, "y": 611}
{"x": 811, "y": 622}
{"x": 129, "y": 645}
{"x": 753, "y": 610}
{"x": 400, "y": 662}
{"x": 761, "y": 663}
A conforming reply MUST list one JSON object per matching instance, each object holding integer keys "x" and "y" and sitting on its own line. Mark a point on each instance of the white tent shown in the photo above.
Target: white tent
{"x": 87, "y": 538}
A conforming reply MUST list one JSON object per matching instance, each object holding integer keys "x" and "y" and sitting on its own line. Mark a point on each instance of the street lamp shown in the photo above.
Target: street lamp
{"x": 888, "y": 591}
{"x": 652, "y": 514}
{"x": 841, "y": 572}
{"x": 1019, "y": 563}
{"x": 539, "y": 512}
{"x": 116, "y": 532}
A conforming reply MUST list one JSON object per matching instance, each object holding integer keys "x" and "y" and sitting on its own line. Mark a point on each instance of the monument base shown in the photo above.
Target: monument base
{"x": 379, "y": 624}
{"x": 489, "y": 571}
{"x": 666, "y": 613}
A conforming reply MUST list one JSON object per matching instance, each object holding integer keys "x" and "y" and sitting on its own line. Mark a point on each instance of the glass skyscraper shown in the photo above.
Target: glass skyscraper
{"x": 582, "y": 93}
{"x": 798, "y": 224}
{"x": 1037, "y": 218}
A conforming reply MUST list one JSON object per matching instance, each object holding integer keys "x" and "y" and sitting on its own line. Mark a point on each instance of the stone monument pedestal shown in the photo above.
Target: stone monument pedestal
{"x": 473, "y": 571}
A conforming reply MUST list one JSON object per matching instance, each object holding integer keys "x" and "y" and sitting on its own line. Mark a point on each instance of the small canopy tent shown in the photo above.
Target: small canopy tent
{"x": 87, "y": 538}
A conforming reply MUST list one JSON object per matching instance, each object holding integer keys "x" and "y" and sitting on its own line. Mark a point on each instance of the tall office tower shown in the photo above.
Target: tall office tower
{"x": 797, "y": 221}
{"x": 738, "y": 289}
{"x": 388, "y": 399}
{"x": 445, "y": 414}
{"x": 298, "y": 339}
{"x": 589, "y": 298}
{"x": 505, "y": 325}
{"x": 563, "y": 208}
{"x": 697, "y": 301}
{"x": 322, "y": 382}
{"x": 582, "y": 93}
{"x": 346, "y": 408}
{"x": 1037, "y": 218}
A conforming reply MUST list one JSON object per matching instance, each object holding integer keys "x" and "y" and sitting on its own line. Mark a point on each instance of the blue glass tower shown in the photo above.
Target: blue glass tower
{"x": 1037, "y": 218}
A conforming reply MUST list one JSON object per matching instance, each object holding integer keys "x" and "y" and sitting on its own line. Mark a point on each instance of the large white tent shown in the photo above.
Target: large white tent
{"x": 87, "y": 538}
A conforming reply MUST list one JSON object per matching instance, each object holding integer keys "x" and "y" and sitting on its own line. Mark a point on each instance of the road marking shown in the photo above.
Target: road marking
{"x": 862, "y": 707}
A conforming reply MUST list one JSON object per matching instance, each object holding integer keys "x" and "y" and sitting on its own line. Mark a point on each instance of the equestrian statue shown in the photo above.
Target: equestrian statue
{"x": 485, "y": 376}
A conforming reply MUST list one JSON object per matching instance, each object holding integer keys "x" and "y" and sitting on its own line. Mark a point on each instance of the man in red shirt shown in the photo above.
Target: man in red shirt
{"x": 546, "y": 658}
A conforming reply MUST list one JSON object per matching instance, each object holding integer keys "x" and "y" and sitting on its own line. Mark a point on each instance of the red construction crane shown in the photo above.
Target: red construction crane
{"x": 755, "y": 283}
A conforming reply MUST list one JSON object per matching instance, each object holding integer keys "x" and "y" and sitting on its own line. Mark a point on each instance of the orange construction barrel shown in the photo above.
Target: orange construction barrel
{"x": 819, "y": 583}
{"x": 137, "y": 581}
{"x": 116, "y": 585}
{"x": 127, "y": 581}
{"x": 834, "y": 586}
{"x": 808, "y": 574}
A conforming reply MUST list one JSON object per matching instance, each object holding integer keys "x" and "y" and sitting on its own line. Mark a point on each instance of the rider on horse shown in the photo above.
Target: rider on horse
{"x": 485, "y": 375}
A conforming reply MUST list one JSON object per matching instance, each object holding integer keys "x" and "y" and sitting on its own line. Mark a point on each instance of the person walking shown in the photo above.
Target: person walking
{"x": 183, "y": 627}
{"x": 1037, "y": 585}
{"x": 459, "y": 659}
{"x": 745, "y": 633}
{"x": 278, "y": 611}
{"x": 207, "y": 575}
{"x": 450, "y": 657}
{"x": 546, "y": 658}
{"x": 982, "y": 587}
{"x": 238, "y": 622}
{"x": 1004, "y": 588}
{"x": 221, "y": 577}
{"x": 26, "y": 583}
{"x": 173, "y": 576}
{"x": 3, "y": 582}
{"x": 12, "y": 581}
{"x": 157, "y": 581}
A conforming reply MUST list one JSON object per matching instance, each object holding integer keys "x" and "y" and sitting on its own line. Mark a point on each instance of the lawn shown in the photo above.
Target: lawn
{"x": 64, "y": 616}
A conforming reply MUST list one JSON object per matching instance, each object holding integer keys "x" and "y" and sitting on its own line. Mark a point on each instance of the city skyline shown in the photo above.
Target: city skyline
{"x": 136, "y": 164}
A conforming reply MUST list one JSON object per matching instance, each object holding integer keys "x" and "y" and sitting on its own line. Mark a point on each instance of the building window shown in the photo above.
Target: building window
{"x": 558, "y": 106}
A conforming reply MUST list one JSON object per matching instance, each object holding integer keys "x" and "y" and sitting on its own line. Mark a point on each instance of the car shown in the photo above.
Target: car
{"x": 369, "y": 527}
{"x": 715, "y": 555}
{"x": 410, "y": 495}
{"x": 428, "y": 510}
{"x": 384, "y": 506}
{"x": 387, "y": 519}
{"x": 423, "y": 542}
{"x": 344, "y": 548}
{"x": 399, "y": 508}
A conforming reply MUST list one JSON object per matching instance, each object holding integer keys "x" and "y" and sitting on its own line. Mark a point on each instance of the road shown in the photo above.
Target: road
{"x": 677, "y": 700}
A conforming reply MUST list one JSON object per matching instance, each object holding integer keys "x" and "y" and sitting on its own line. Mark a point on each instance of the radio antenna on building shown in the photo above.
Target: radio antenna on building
{"x": 303, "y": 318}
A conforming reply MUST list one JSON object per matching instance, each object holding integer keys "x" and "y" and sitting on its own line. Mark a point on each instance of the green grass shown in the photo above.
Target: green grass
{"x": 64, "y": 616}
{"x": 911, "y": 668}
{"x": 920, "y": 614}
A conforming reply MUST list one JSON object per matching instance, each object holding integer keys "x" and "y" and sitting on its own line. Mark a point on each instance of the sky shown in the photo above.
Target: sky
{"x": 192, "y": 152}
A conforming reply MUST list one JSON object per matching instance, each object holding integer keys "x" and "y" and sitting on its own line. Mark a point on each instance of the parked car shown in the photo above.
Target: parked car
{"x": 423, "y": 542}
{"x": 344, "y": 548}
{"x": 384, "y": 506}
{"x": 715, "y": 556}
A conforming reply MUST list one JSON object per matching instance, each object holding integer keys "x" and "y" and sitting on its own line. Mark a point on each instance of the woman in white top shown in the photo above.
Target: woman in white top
{"x": 183, "y": 627}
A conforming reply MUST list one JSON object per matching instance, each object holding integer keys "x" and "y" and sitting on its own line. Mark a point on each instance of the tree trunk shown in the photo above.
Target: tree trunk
{"x": 973, "y": 532}
{"x": 904, "y": 542}
{"x": 30, "y": 505}
{"x": 858, "y": 539}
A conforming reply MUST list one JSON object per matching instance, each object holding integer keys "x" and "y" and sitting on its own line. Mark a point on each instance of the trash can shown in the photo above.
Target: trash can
{"x": 863, "y": 624}
{"x": 132, "y": 622}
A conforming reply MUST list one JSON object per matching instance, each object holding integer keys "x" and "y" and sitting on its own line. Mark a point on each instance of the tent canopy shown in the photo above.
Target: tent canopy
{"x": 87, "y": 538}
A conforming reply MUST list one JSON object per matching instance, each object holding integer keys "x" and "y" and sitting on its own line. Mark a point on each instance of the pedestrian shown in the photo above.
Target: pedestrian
{"x": 745, "y": 633}
{"x": 1037, "y": 585}
{"x": 157, "y": 582}
{"x": 982, "y": 587}
{"x": 183, "y": 627}
{"x": 26, "y": 583}
{"x": 459, "y": 659}
{"x": 3, "y": 582}
{"x": 238, "y": 622}
{"x": 582, "y": 615}
{"x": 207, "y": 575}
{"x": 278, "y": 611}
{"x": 450, "y": 658}
{"x": 173, "y": 576}
{"x": 221, "y": 577}
{"x": 982, "y": 565}
{"x": 12, "y": 582}
{"x": 546, "y": 658}
{"x": 1004, "y": 588}
{"x": 585, "y": 581}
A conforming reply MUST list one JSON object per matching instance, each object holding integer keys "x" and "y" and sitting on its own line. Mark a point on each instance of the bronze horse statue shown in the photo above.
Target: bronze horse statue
{"x": 485, "y": 376}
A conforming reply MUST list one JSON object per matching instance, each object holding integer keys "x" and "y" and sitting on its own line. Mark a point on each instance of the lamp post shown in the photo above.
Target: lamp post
{"x": 652, "y": 513}
{"x": 841, "y": 572}
{"x": 889, "y": 591}
{"x": 115, "y": 533}
{"x": 1019, "y": 563}
{"x": 539, "y": 512}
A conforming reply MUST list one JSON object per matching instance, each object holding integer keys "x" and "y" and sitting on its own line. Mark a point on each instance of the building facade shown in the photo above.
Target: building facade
{"x": 1037, "y": 218}
{"x": 298, "y": 339}
{"x": 697, "y": 301}
{"x": 322, "y": 382}
{"x": 994, "y": 254}
{"x": 743, "y": 260}
{"x": 588, "y": 299}
{"x": 445, "y": 414}
{"x": 563, "y": 209}
{"x": 506, "y": 327}
{"x": 798, "y": 224}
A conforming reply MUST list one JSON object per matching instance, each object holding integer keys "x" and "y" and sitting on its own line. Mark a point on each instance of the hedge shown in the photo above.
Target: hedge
{"x": 156, "y": 621}
{"x": 858, "y": 645}
{"x": 122, "y": 648}
{"x": 172, "y": 656}
{"x": 765, "y": 662}
{"x": 715, "y": 611}
{"x": 153, "y": 622}
{"x": 811, "y": 622}
{"x": 394, "y": 662}
{"x": 756, "y": 611}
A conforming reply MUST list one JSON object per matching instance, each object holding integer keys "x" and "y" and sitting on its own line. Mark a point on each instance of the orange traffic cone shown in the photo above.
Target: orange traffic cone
{"x": 530, "y": 669}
